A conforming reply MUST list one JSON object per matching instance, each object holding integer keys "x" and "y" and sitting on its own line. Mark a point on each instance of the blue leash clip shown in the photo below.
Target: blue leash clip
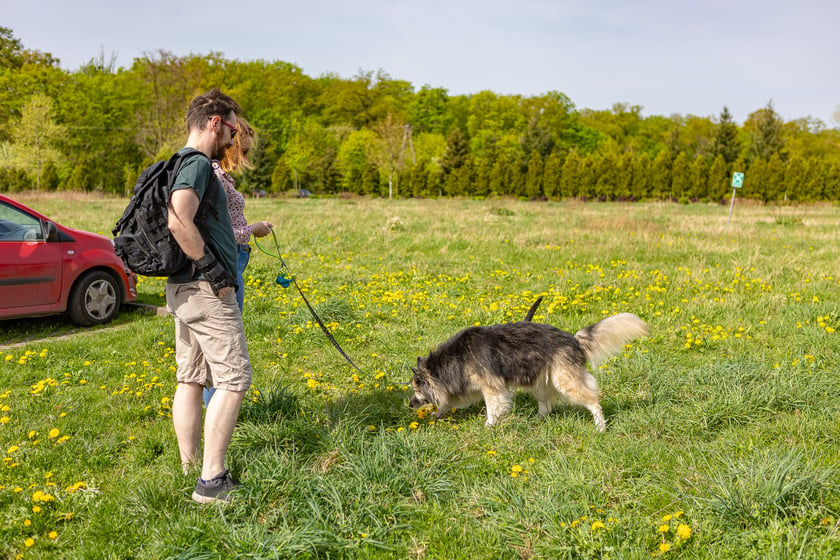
{"x": 284, "y": 280}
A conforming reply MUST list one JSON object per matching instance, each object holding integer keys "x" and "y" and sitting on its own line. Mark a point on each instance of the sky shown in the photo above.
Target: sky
{"x": 690, "y": 57}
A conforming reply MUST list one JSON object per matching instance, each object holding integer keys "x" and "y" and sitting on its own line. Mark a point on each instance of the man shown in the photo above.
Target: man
{"x": 210, "y": 346}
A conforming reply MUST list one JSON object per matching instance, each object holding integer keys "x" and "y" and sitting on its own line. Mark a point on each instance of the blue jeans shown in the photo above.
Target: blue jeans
{"x": 241, "y": 262}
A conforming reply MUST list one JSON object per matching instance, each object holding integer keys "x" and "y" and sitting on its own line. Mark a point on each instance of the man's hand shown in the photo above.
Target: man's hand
{"x": 221, "y": 281}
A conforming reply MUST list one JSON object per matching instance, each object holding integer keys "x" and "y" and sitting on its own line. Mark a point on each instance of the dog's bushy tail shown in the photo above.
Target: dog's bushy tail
{"x": 608, "y": 336}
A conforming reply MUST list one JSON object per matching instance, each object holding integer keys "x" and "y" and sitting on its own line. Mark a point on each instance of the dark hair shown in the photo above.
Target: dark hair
{"x": 212, "y": 103}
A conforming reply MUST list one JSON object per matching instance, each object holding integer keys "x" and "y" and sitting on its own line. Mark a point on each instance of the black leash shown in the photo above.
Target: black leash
{"x": 285, "y": 280}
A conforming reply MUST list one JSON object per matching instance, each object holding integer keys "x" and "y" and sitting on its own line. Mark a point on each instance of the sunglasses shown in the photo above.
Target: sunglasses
{"x": 232, "y": 128}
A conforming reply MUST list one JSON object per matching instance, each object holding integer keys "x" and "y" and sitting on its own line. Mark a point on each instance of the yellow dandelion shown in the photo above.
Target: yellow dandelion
{"x": 664, "y": 528}
{"x": 53, "y": 535}
{"x": 29, "y": 542}
{"x": 664, "y": 547}
{"x": 12, "y": 449}
{"x": 516, "y": 469}
{"x": 53, "y": 433}
{"x": 597, "y": 525}
{"x": 414, "y": 425}
{"x": 683, "y": 531}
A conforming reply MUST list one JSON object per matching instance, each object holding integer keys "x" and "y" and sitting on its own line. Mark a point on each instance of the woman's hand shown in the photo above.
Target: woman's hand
{"x": 261, "y": 229}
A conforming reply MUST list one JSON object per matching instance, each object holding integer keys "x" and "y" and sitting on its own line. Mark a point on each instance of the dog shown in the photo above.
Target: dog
{"x": 490, "y": 362}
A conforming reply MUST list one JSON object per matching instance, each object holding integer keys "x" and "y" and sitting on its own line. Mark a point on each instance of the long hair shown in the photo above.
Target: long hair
{"x": 236, "y": 158}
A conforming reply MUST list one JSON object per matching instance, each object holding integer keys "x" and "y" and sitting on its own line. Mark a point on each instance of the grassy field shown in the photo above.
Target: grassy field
{"x": 723, "y": 435}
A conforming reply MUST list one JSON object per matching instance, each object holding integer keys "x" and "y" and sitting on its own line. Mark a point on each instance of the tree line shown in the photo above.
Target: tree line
{"x": 97, "y": 127}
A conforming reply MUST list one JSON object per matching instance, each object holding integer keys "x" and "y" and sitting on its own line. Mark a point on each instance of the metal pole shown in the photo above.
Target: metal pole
{"x": 731, "y": 204}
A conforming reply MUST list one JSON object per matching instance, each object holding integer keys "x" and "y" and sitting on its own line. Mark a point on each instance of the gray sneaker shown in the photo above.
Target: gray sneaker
{"x": 219, "y": 489}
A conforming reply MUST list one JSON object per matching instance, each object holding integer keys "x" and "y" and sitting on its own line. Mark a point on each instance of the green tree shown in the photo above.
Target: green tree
{"x": 698, "y": 179}
{"x": 660, "y": 176}
{"x": 389, "y": 152}
{"x": 607, "y": 176}
{"x": 35, "y": 136}
{"x": 680, "y": 177}
{"x": 552, "y": 176}
{"x": 775, "y": 185}
{"x": 81, "y": 178}
{"x": 726, "y": 138}
{"x": 569, "y": 177}
{"x": 534, "y": 176}
{"x": 428, "y": 110}
{"x": 765, "y": 128}
{"x": 11, "y": 49}
{"x": 457, "y": 152}
{"x": 757, "y": 179}
{"x": 49, "y": 176}
{"x": 641, "y": 187}
{"x": 718, "y": 184}
{"x": 796, "y": 179}
{"x": 353, "y": 160}
{"x": 625, "y": 176}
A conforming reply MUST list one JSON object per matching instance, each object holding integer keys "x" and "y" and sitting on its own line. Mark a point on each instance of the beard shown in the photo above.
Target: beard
{"x": 219, "y": 150}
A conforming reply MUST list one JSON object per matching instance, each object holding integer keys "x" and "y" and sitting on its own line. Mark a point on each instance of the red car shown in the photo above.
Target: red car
{"x": 47, "y": 268}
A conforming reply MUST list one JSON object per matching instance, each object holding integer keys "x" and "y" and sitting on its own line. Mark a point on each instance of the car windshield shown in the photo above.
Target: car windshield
{"x": 18, "y": 226}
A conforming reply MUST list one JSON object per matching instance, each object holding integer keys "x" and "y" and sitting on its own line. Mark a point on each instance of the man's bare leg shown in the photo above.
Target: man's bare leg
{"x": 186, "y": 417}
{"x": 222, "y": 413}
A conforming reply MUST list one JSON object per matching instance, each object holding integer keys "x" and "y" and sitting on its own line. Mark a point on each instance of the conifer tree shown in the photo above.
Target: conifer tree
{"x": 796, "y": 179}
{"x": 698, "y": 180}
{"x": 717, "y": 184}
{"x": 765, "y": 127}
{"x": 660, "y": 176}
{"x": 534, "y": 176}
{"x": 552, "y": 175}
{"x": 569, "y": 178}
{"x": 756, "y": 178}
{"x": 725, "y": 142}
{"x": 776, "y": 179}
{"x": 641, "y": 187}
{"x": 680, "y": 177}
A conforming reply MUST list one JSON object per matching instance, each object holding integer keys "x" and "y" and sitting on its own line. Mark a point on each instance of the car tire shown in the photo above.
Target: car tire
{"x": 94, "y": 299}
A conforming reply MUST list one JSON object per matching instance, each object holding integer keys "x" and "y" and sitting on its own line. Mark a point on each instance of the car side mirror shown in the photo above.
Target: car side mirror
{"x": 51, "y": 233}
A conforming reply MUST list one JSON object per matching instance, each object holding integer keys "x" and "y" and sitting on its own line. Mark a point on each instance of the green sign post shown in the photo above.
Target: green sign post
{"x": 737, "y": 183}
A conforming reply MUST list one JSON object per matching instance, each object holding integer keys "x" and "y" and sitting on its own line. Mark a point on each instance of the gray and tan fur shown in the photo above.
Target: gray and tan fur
{"x": 489, "y": 363}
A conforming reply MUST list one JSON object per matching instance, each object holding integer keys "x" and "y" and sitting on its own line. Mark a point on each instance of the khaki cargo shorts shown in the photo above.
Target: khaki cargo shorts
{"x": 210, "y": 347}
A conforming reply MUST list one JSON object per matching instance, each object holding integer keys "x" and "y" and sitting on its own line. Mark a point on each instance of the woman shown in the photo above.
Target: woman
{"x": 236, "y": 160}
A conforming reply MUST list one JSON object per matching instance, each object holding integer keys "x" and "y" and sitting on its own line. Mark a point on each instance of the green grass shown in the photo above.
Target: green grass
{"x": 724, "y": 421}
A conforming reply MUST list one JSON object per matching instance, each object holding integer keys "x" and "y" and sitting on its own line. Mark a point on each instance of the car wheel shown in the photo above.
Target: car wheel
{"x": 95, "y": 299}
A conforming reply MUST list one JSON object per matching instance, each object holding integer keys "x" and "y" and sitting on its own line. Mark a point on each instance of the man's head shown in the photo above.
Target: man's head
{"x": 214, "y": 113}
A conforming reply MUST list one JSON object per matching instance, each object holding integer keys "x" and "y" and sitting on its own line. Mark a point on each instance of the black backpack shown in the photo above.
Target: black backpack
{"x": 142, "y": 237}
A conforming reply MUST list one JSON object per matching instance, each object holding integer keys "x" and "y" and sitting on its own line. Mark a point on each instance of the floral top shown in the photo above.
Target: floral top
{"x": 236, "y": 206}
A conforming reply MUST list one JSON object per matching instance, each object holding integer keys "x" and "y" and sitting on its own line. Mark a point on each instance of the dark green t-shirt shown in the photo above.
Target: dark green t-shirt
{"x": 196, "y": 173}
